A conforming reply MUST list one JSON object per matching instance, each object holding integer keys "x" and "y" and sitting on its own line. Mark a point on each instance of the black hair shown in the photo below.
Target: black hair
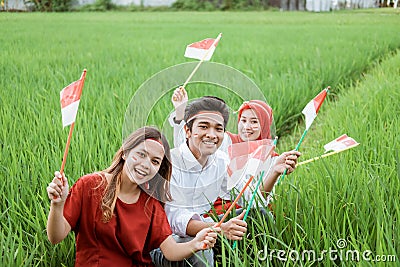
{"x": 206, "y": 103}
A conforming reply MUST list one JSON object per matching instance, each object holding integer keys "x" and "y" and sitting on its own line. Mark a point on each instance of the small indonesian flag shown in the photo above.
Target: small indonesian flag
{"x": 312, "y": 108}
{"x": 69, "y": 98}
{"x": 340, "y": 143}
{"x": 246, "y": 159}
{"x": 202, "y": 50}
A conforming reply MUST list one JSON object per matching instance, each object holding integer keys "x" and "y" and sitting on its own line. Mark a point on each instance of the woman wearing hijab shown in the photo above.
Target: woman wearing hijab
{"x": 254, "y": 123}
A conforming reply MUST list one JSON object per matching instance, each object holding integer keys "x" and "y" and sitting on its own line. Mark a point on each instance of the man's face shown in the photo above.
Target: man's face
{"x": 206, "y": 135}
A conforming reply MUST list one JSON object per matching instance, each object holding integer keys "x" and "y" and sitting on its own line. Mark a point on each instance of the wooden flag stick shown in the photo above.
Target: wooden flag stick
{"x": 234, "y": 202}
{"x": 66, "y": 148}
{"x": 71, "y": 129}
{"x": 325, "y": 155}
{"x": 232, "y": 205}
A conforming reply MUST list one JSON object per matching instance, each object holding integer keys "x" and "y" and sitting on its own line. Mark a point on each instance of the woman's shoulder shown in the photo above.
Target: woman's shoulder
{"x": 91, "y": 180}
{"x": 95, "y": 176}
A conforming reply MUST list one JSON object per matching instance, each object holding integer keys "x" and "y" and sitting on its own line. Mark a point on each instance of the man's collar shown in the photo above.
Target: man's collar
{"x": 190, "y": 162}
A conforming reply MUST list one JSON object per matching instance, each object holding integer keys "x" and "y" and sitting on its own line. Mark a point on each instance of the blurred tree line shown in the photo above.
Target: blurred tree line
{"x": 210, "y": 5}
{"x": 103, "y": 5}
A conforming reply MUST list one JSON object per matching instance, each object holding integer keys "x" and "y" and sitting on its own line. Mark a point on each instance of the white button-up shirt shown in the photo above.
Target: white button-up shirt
{"x": 194, "y": 188}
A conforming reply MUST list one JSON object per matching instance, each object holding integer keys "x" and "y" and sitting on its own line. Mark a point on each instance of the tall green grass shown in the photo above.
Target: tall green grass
{"x": 352, "y": 195}
{"x": 291, "y": 56}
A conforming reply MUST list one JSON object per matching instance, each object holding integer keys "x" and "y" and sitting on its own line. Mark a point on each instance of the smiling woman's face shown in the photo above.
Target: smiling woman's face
{"x": 249, "y": 128}
{"x": 143, "y": 161}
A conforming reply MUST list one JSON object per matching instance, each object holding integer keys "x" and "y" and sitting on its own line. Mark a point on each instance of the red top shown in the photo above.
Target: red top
{"x": 126, "y": 240}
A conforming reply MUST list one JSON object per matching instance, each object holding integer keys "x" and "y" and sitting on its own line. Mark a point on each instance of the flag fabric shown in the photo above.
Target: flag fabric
{"x": 312, "y": 108}
{"x": 69, "y": 98}
{"x": 340, "y": 143}
{"x": 247, "y": 159}
{"x": 202, "y": 50}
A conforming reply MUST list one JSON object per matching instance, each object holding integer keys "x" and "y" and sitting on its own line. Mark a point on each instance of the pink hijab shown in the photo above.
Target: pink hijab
{"x": 264, "y": 115}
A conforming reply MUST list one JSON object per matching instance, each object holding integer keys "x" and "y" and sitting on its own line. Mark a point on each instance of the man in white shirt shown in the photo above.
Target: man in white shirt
{"x": 199, "y": 177}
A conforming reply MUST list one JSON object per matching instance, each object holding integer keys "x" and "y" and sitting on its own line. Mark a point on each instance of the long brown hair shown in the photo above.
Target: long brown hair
{"x": 158, "y": 185}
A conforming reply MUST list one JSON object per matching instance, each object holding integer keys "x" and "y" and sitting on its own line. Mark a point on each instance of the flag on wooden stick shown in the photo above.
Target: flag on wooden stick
{"x": 310, "y": 112}
{"x": 202, "y": 50}
{"x": 311, "y": 109}
{"x": 69, "y": 98}
{"x": 338, "y": 145}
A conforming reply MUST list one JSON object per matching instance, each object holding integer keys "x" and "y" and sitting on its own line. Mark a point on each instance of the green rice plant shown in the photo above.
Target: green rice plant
{"x": 350, "y": 196}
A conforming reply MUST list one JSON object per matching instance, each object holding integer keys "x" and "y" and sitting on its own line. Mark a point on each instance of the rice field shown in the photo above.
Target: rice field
{"x": 351, "y": 197}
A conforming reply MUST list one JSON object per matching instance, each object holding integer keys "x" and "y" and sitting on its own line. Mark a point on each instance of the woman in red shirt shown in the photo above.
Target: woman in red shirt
{"x": 117, "y": 214}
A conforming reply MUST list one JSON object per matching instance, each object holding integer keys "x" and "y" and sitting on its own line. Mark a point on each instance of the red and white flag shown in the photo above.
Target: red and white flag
{"x": 69, "y": 98}
{"x": 341, "y": 143}
{"x": 312, "y": 108}
{"x": 248, "y": 158}
{"x": 202, "y": 50}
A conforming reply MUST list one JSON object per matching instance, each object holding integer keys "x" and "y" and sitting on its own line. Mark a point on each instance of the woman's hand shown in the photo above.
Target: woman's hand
{"x": 206, "y": 238}
{"x": 179, "y": 100}
{"x": 286, "y": 160}
{"x": 179, "y": 97}
{"x": 57, "y": 190}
